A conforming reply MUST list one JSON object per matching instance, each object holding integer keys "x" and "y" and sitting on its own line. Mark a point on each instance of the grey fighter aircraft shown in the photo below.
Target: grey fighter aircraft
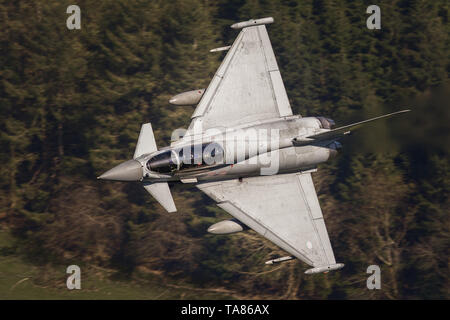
{"x": 246, "y": 150}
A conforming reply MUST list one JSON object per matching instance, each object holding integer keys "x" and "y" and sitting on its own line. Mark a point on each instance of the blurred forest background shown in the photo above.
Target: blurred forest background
{"x": 72, "y": 103}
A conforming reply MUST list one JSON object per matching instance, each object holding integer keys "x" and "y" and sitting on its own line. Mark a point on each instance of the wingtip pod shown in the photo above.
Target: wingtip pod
{"x": 251, "y": 22}
{"x": 324, "y": 269}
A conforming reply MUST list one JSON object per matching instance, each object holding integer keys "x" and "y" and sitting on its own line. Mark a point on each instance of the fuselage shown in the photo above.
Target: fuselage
{"x": 262, "y": 148}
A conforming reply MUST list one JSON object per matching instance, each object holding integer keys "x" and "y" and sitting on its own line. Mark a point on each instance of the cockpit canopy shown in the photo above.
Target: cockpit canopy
{"x": 162, "y": 162}
{"x": 195, "y": 156}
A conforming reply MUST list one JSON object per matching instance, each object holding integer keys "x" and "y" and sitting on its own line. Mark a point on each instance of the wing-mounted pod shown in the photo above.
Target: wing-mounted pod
{"x": 227, "y": 227}
{"x": 188, "y": 98}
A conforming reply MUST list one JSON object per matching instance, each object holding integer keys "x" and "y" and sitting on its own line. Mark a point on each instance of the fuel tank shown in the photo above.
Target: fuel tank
{"x": 227, "y": 227}
{"x": 188, "y": 98}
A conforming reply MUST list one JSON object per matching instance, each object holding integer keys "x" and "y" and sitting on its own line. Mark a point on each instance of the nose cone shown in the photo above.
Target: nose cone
{"x": 130, "y": 170}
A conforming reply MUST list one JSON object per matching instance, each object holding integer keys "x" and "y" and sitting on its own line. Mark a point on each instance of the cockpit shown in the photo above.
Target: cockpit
{"x": 189, "y": 157}
{"x": 164, "y": 162}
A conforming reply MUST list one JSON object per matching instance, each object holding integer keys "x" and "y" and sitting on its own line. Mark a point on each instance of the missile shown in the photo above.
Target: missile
{"x": 220, "y": 49}
{"x": 227, "y": 227}
{"x": 188, "y": 98}
{"x": 278, "y": 260}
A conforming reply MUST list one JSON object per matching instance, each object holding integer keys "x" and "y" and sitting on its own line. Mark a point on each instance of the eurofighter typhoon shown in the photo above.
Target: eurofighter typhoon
{"x": 246, "y": 150}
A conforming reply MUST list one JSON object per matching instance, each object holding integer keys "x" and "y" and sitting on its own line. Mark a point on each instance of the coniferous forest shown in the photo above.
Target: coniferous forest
{"x": 72, "y": 103}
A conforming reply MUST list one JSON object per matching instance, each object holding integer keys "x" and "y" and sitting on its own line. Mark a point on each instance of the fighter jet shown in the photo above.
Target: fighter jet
{"x": 247, "y": 151}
